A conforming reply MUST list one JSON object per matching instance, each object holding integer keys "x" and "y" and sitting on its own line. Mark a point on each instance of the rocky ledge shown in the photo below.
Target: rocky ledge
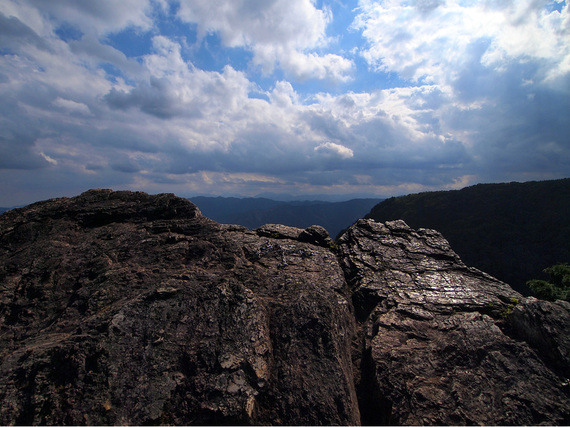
{"x": 126, "y": 308}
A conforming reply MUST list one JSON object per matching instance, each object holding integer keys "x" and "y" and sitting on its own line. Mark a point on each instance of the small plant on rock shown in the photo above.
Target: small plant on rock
{"x": 510, "y": 308}
{"x": 558, "y": 285}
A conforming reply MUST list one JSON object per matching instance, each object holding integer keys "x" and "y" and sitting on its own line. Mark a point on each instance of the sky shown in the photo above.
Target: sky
{"x": 310, "y": 98}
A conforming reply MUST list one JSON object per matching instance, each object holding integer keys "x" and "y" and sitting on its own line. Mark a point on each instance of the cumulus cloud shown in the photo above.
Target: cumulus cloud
{"x": 15, "y": 33}
{"x": 438, "y": 38}
{"x": 279, "y": 32}
{"x": 335, "y": 149}
{"x": 71, "y": 106}
{"x": 297, "y": 23}
{"x": 483, "y": 105}
{"x": 94, "y": 54}
{"x": 96, "y": 17}
{"x": 484, "y": 64}
{"x": 304, "y": 66}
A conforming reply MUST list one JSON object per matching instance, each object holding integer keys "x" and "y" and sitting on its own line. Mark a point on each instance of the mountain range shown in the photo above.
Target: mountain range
{"x": 254, "y": 212}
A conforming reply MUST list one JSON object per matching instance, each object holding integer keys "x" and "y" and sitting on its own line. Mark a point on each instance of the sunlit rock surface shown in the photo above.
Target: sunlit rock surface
{"x": 444, "y": 343}
{"x": 125, "y": 308}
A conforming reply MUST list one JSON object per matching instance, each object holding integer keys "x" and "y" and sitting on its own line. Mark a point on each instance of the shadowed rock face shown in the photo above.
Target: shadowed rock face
{"x": 125, "y": 308}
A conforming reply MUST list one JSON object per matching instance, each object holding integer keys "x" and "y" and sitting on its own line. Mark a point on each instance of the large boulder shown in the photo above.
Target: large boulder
{"x": 437, "y": 340}
{"x": 125, "y": 308}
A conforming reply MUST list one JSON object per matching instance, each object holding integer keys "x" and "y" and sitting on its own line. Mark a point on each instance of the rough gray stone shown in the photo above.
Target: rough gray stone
{"x": 436, "y": 345}
{"x": 316, "y": 235}
{"x": 125, "y": 308}
{"x": 278, "y": 231}
{"x": 545, "y": 325}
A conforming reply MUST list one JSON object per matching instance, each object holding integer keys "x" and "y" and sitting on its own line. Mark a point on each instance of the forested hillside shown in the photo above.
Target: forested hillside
{"x": 512, "y": 231}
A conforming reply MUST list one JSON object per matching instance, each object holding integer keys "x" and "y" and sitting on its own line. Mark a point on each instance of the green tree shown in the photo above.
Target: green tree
{"x": 558, "y": 285}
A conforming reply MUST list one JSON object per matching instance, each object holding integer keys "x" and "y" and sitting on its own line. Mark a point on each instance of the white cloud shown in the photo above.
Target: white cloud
{"x": 28, "y": 15}
{"x": 433, "y": 44}
{"x": 284, "y": 95}
{"x": 172, "y": 87}
{"x": 278, "y": 32}
{"x": 295, "y": 23}
{"x": 71, "y": 106}
{"x": 304, "y": 66}
{"x": 173, "y": 118}
{"x": 48, "y": 159}
{"x": 478, "y": 111}
{"x": 97, "y": 17}
{"x": 335, "y": 149}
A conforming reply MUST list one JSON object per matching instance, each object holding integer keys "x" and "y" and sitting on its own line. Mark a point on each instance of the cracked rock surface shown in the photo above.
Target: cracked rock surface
{"x": 125, "y": 308}
{"x": 446, "y": 344}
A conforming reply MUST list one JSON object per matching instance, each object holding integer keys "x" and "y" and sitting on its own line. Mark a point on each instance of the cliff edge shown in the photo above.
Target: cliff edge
{"x": 126, "y": 308}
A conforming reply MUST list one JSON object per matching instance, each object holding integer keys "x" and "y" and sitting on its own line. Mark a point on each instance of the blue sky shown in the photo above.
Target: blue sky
{"x": 300, "y": 97}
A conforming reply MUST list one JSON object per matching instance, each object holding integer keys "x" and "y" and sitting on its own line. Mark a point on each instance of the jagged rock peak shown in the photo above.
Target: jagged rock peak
{"x": 126, "y": 308}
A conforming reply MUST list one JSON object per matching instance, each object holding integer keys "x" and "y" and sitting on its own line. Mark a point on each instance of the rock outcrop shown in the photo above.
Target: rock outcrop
{"x": 446, "y": 344}
{"x": 125, "y": 308}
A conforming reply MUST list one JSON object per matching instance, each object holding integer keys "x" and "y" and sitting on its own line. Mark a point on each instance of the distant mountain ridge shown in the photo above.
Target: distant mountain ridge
{"x": 255, "y": 212}
{"x": 511, "y": 231}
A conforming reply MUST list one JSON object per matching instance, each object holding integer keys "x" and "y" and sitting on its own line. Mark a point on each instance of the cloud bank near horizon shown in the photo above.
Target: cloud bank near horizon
{"x": 298, "y": 96}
